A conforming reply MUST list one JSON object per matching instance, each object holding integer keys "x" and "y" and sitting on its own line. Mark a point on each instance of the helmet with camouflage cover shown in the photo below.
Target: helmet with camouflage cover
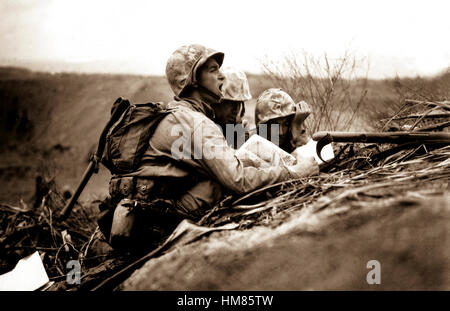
{"x": 271, "y": 104}
{"x": 235, "y": 87}
{"x": 275, "y": 103}
{"x": 182, "y": 66}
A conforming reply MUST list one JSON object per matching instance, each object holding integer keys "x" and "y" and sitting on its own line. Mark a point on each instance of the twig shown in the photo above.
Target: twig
{"x": 422, "y": 116}
{"x": 438, "y": 126}
{"x": 82, "y": 255}
{"x": 443, "y": 104}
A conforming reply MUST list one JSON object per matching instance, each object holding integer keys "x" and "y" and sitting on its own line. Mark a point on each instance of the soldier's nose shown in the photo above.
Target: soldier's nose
{"x": 221, "y": 76}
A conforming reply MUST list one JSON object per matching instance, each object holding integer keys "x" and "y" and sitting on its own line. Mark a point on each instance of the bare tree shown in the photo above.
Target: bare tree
{"x": 334, "y": 88}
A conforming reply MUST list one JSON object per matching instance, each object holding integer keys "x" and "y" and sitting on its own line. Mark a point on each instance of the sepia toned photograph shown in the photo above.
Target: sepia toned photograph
{"x": 207, "y": 147}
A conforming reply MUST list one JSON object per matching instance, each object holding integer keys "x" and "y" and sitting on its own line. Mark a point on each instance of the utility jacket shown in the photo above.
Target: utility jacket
{"x": 188, "y": 142}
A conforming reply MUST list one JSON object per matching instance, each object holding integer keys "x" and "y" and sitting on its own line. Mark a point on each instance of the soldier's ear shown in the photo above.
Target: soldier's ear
{"x": 181, "y": 82}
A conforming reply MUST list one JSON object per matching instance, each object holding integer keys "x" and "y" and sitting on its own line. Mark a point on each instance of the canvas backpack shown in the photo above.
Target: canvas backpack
{"x": 128, "y": 138}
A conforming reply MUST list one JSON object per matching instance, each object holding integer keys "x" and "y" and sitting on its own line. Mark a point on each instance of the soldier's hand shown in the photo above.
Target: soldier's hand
{"x": 306, "y": 166}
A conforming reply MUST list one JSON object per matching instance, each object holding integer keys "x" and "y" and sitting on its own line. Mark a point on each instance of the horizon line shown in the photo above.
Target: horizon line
{"x": 54, "y": 67}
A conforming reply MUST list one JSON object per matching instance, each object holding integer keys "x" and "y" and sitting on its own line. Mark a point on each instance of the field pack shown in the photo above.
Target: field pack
{"x": 128, "y": 137}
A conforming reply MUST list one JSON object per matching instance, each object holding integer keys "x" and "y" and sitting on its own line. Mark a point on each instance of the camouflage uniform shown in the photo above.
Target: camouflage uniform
{"x": 216, "y": 167}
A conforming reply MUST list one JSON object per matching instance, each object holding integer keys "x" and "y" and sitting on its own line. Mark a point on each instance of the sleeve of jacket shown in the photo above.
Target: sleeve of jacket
{"x": 220, "y": 160}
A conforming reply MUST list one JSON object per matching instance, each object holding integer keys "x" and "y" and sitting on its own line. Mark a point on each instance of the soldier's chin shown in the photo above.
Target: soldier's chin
{"x": 216, "y": 91}
{"x": 298, "y": 143}
{"x": 231, "y": 121}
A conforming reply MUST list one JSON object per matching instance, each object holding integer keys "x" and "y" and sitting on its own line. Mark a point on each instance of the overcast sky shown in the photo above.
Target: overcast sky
{"x": 397, "y": 37}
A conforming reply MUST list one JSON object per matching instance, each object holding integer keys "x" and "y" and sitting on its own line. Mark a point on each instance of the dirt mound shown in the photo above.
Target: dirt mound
{"x": 328, "y": 252}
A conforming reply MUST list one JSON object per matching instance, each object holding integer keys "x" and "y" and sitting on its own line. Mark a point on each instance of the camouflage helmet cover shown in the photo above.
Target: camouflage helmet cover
{"x": 182, "y": 65}
{"x": 273, "y": 103}
{"x": 235, "y": 87}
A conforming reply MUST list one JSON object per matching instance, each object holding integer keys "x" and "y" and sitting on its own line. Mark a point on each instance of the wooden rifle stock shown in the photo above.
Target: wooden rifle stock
{"x": 86, "y": 176}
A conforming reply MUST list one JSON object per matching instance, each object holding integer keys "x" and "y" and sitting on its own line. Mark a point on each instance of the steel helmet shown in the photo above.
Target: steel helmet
{"x": 182, "y": 66}
{"x": 235, "y": 86}
{"x": 273, "y": 103}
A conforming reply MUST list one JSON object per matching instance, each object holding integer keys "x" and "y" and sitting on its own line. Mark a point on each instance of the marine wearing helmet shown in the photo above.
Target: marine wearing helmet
{"x": 283, "y": 119}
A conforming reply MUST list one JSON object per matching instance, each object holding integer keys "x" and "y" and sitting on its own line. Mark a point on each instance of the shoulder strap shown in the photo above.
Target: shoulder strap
{"x": 118, "y": 108}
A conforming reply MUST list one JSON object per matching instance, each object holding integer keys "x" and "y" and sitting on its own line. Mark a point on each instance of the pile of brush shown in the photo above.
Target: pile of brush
{"x": 27, "y": 228}
{"x": 424, "y": 116}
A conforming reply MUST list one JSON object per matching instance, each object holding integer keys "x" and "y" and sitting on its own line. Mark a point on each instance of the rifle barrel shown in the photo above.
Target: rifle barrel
{"x": 443, "y": 104}
{"x": 428, "y": 116}
{"x": 382, "y": 137}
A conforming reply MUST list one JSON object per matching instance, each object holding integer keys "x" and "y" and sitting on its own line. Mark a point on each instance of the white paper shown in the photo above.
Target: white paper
{"x": 268, "y": 154}
{"x": 310, "y": 150}
{"x": 29, "y": 274}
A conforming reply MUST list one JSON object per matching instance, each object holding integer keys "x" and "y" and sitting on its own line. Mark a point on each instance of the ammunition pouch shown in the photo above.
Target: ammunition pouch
{"x": 139, "y": 211}
{"x": 148, "y": 189}
{"x": 131, "y": 188}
